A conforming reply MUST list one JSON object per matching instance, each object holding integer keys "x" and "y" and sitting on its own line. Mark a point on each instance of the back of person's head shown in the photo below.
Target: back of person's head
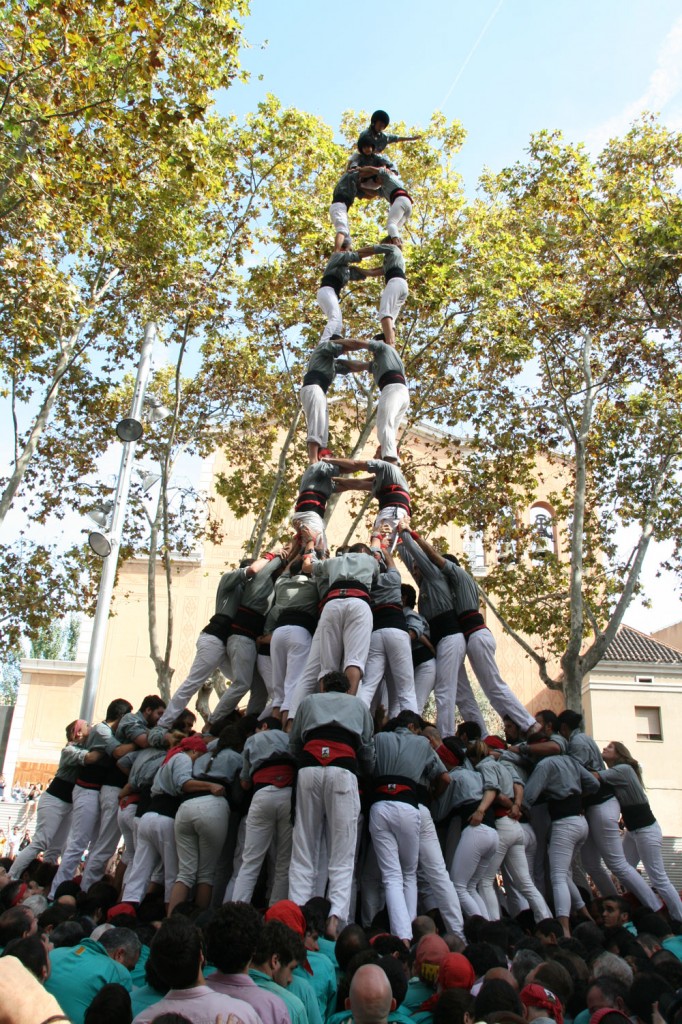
{"x": 612, "y": 966}
{"x": 122, "y": 944}
{"x": 231, "y": 937}
{"x": 359, "y": 549}
{"x": 525, "y": 961}
{"x": 590, "y": 935}
{"x": 422, "y": 925}
{"x": 470, "y": 730}
{"x": 606, "y": 991}
{"x": 483, "y": 955}
{"x": 389, "y": 945}
{"x": 67, "y": 888}
{"x": 55, "y": 914}
{"x": 37, "y": 903}
{"x": 395, "y": 972}
{"x": 549, "y": 929}
{"x": 496, "y": 933}
{"x": 670, "y": 968}
{"x": 352, "y": 939}
{"x": 173, "y": 1018}
{"x": 647, "y": 989}
{"x": 33, "y": 954}
{"x": 335, "y": 682}
{"x": 175, "y": 953}
{"x": 152, "y": 702}
{"x": 100, "y": 898}
{"x": 571, "y": 719}
{"x": 316, "y": 911}
{"x": 15, "y": 923}
{"x": 370, "y": 999}
{"x": 117, "y": 709}
{"x": 495, "y": 995}
{"x": 557, "y": 979}
{"x": 453, "y": 1007}
{"x": 654, "y": 924}
{"x": 111, "y": 1005}
{"x": 275, "y": 939}
{"x": 408, "y": 594}
{"x": 67, "y": 934}
{"x": 548, "y": 717}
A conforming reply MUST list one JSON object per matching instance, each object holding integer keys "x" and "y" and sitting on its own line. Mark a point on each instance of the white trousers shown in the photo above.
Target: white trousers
{"x": 605, "y": 836}
{"x": 511, "y": 852}
{"x": 314, "y": 403}
{"x": 264, "y": 666}
{"x": 399, "y": 213}
{"x": 108, "y": 837}
{"x": 328, "y": 301}
{"x": 200, "y": 833}
{"x": 516, "y": 903}
{"x": 424, "y": 682}
{"x": 450, "y": 653}
{"x": 53, "y": 818}
{"x": 393, "y": 298}
{"x": 433, "y": 878}
{"x": 84, "y": 825}
{"x": 308, "y": 683}
{"x": 567, "y": 835}
{"x": 155, "y": 848}
{"x": 242, "y": 653}
{"x": 470, "y": 865}
{"x": 338, "y": 214}
{"x": 289, "y": 650}
{"x": 646, "y": 844}
{"x": 210, "y": 656}
{"x": 345, "y": 631}
{"x": 330, "y": 793}
{"x": 126, "y": 824}
{"x": 394, "y": 401}
{"x": 268, "y": 822}
{"x": 481, "y": 647}
{"x": 394, "y": 828}
{"x": 390, "y": 654}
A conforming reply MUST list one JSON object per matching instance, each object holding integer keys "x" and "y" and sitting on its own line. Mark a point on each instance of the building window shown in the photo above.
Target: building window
{"x": 542, "y": 525}
{"x": 644, "y": 679}
{"x": 474, "y": 551}
{"x": 648, "y": 722}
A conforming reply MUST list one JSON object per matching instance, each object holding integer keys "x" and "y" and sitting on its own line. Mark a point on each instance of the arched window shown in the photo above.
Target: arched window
{"x": 474, "y": 550}
{"x": 542, "y": 523}
{"x": 506, "y": 534}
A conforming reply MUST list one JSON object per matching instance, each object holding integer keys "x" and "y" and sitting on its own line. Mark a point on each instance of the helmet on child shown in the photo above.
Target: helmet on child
{"x": 380, "y": 115}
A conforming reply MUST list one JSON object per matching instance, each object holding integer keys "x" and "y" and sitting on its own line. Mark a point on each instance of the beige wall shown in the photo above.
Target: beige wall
{"x": 610, "y": 698}
{"x": 671, "y": 635}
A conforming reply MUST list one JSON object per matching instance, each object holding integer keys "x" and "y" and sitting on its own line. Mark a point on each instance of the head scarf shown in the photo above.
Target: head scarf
{"x": 455, "y": 972}
{"x": 184, "y": 746}
{"x": 431, "y": 951}
{"x": 495, "y": 743}
{"x": 292, "y": 916}
{"x": 538, "y": 995}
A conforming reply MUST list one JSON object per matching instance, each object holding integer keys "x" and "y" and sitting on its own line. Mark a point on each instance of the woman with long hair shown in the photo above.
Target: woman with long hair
{"x": 643, "y": 836}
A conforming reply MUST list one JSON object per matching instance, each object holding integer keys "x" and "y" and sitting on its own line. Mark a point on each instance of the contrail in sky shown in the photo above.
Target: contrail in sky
{"x": 472, "y": 51}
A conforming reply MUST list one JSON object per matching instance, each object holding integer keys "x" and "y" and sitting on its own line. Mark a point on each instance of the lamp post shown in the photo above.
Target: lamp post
{"x": 107, "y": 545}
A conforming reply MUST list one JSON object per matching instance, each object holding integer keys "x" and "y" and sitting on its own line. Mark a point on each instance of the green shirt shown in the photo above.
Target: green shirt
{"x": 295, "y": 1007}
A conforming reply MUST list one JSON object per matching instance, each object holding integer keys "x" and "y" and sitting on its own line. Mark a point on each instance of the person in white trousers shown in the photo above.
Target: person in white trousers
{"x": 561, "y": 782}
{"x": 404, "y": 759}
{"x": 395, "y": 292}
{"x": 323, "y": 365}
{"x": 53, "y": 817}
{"x": 331, "y": 740}
{"x": 85, "y": 817}
{"x": 388, "y": 371}
{"x": 643, "y": 837}
{"x": 603, "y": 814}
{"x": 269, "y": 770}
{"x": 423, "y": 654}
{"x": 393, "y": 190}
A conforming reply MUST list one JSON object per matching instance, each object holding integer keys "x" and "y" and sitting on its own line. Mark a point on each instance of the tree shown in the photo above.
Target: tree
{"x": 574, "y": 266}
{"x": 10, "y": 677}
{"x": 102, "y": 107}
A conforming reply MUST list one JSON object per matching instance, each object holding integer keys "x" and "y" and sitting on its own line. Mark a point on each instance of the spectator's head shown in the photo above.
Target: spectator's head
{"x": 539, "y": 1001}
{"x": 397, "y": 979}
{"x": 370, "y": 999}
{"x": 408, "y": 595}
{"x": 467, "y": 732}
{"x": 612, "y": 966}
{"x": 549, "y": 931}
{"x": 525, "y": 961}
{"x": 607, "y": 992}
{"x": 456, "y": 1006}
{"x": 482, "y": 956}
{"x": 111, "y": 1005}
{"x": 32, "y": 952}
{"x": 231, "y": 937}
{"x": 421, "y": 926}
{"x": 654, "y": 924}
{"x": 17, "y": 923}
{"x": 278, "y": 951}
{"x": 175, "y": 953}
{"x": 647, "y": 989}
{"x": 352, "y": 939}
{"x": 556, "y": 978}
{"x": 615, "y": 912}
{"x": 568, "y": 721}
{"x": 495, "y": 995}
{"x": 429, "y": 955}
{"x": 455, "y": 972}
{"x": 122, "y": 945}
{"x": 67, "y": 934}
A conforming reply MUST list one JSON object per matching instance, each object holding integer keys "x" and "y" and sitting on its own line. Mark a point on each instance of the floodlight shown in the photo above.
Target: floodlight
{"x": 100, "y": 513}
{"x": 100, "y": 544}
{"x": 148, "y": 479}
{"x": 129, "y": 430}
{"x": 156, "y": 410}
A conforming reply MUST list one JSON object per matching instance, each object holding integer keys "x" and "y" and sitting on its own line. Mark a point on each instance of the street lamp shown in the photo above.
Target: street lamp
{"x": 107, "y": 544}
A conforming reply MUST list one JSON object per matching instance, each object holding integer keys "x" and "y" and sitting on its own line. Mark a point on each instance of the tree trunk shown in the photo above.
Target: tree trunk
{"x": 259, "y": 531}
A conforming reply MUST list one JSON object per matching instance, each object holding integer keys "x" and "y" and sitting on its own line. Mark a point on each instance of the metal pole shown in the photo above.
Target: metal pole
{"x": 106, "y": 586}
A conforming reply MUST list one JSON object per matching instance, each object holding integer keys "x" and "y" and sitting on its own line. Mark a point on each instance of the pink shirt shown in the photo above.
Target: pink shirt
{"x": 201, "y": 1005}
{"x": 270, "y": 1008}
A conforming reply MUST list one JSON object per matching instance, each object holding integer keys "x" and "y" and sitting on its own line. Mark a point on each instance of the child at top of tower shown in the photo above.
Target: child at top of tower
{"x": 375, "y": 133}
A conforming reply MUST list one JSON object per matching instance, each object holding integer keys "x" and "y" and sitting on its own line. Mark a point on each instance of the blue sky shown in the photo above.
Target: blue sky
{"x": 505, "y": 68}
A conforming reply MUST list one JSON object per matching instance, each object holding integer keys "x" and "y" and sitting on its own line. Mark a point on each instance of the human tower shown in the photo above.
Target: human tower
{"x": 319, "y": 644}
